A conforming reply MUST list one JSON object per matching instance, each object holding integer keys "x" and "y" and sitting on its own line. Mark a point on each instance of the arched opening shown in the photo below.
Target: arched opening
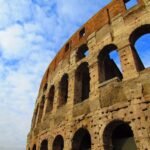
{"x": 50, "y": 99}
{"x": 44, "y": 145}
{"x": 140, "y": 44}
{"x": 109, "y": 63}
{"x": 81, "y": 140}
{"x": 130, "y": 3}
{"x": 58, "y": 143}
{"x": 41, "y": 107}
{"x": 82, "y": 52}
{"x": 34, "y": 147}
{"x": 67, "y": 47}
{"x": 82, "y": 33}
{"x": 45, "y": 87}
{"x": 82, "y": 83}
{"x": 63, "y": 91}
{"x": 118, "y": 136}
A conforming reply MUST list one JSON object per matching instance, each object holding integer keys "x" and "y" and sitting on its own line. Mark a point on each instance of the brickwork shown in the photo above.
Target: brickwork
{"x": 97, "y": 100}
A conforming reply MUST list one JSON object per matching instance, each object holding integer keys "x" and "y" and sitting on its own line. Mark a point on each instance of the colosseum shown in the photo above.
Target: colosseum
{"x": 87, "y": 102}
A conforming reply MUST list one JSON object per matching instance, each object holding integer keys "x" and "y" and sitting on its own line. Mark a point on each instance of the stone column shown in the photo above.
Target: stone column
{"x": 94, "y": 73}
{"x": 146, "y": 2}
{"x": 44, "y": 108}
{"x": 38, "y": 145}
{"x": 140, "y": 127}
{"x": 71, "y": 89}
{"x": 50, "y": 142}
{"x": 70, "y": 105}
{"x": 37, "y": 117}
{"x": 56, "y": 98}
{"x": 34, "y": 119}
{"x": 128, "y": 62}
{"x": 95, "y": 138}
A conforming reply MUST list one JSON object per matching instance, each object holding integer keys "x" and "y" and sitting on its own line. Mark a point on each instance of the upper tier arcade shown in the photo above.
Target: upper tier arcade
{"x": 104, "y": 17}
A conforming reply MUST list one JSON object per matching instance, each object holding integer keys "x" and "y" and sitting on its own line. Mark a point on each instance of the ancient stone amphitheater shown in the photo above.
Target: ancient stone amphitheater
{"x": 87, "y": 102}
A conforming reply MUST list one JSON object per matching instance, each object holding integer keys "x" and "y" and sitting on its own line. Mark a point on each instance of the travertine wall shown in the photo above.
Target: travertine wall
{"x": 110, "y": 101}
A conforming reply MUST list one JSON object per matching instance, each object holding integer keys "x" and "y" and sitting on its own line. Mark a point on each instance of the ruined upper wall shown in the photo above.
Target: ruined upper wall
{"x": 101, "y": 18}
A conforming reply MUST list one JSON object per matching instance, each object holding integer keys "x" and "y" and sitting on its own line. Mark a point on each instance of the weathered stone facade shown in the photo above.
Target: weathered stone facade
{"x": 84, "y": 101}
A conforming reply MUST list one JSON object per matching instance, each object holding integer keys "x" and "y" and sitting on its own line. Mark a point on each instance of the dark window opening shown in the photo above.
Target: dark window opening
{"x": 67, "y": 47}
{"x": 140, "y": 44}
{"x": 119, "y": 136}
{"x": 82, "y": 52}
{"x": 50, "y": 99}
{"x": 44, "y": 145}
{"x": 81, "y": 140}
{"x": 122, "y": 138}
{"x": 130, "y": 3}
{"x": 45, "y": 87}
{"x": 82, "y": 32}
{"x": 82, "y": 83}
{"x": 58, "y": 143}
{"x": 43, "y": 98}
{"x": 34, "y": 147}
{"x": 63, "y": 96}
{"x": 109, "y": 63}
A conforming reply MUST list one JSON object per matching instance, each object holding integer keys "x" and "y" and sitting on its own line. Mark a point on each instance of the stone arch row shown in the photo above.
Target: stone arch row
{"x": 117, "y": 135}
{"x": 107, "y": 70}
{"x": 82, "y": 84}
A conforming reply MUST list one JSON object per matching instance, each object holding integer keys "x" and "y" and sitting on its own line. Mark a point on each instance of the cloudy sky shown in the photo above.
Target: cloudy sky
{"x": 31, "y": 33}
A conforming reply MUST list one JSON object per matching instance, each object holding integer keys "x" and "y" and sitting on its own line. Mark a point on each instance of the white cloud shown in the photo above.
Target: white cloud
{"x": 14, "y": 10}
{"x": 12, "y": 41}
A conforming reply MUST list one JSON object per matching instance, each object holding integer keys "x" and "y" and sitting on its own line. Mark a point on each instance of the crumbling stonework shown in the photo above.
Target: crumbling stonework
{"x": 85, "y": 102}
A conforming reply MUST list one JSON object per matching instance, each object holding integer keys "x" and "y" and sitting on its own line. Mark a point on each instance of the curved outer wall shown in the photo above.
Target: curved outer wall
{"x": 126, "y": 99}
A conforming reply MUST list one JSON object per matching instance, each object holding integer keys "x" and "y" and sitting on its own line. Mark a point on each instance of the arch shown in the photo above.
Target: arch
{"x": 136, "y": 35}
{"x": 130, "y": 3}
{"x": 138, "y": 32}
{"x": 63, "y": 90}
{"x": 82, "y": 33}
{"x": 67, "y": 47}
{"x": 81, "y": 140}
{"x": 118, "y": 135}
{"x": 45, "y": 87}
{"x": 82, "y": 83}
{"x": 34, "y": 147}
{"x": 82, "y": 52}
{"x": 50, "y": 99}
{"x": 58, "y": 143}
{"x": 44, "y": 145}
{"x": 109, "y": 65}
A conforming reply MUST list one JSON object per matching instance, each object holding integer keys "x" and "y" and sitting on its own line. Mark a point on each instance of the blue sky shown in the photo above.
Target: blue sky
{"x": 31, "y": 33}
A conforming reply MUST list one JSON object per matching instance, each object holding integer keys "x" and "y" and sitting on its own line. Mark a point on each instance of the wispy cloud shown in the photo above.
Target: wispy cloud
{"x": 31, "y": 32}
